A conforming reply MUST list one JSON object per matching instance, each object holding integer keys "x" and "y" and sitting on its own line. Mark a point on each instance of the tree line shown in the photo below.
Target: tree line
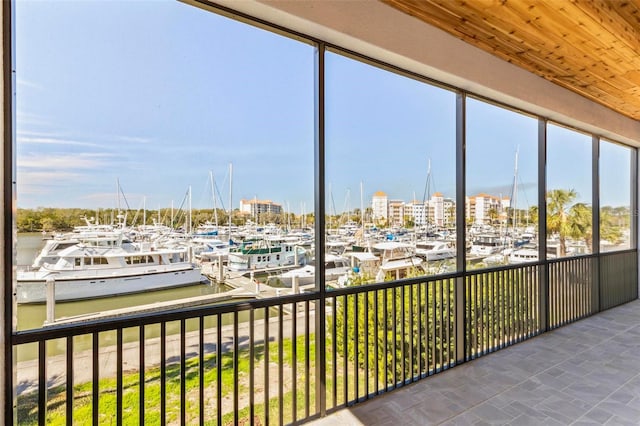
{"x": 48, "y": 219}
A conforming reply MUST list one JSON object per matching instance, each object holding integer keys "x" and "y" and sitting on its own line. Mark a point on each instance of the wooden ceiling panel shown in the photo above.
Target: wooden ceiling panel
{"x": 591, "y": 47}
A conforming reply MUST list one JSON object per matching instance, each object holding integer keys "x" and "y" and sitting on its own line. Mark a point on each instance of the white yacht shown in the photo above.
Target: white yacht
{"x": 100, "y": 268}
{"x": 265, "y": 254}
{"x": 435, "y": 250}
{"x": 487, "y": 244}
{"x": 390, "y": 260}
{"x": 525, "y": 254}
{"x": 334, "y": 267}
{"x": 398, "y": 260}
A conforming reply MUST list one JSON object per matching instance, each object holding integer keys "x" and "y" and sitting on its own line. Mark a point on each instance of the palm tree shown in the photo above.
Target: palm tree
{"x": 610, "y": 226}
{"x": 493, "y": 215}
{"x": 580, "y": 223}
{"x": 558, "y": 201}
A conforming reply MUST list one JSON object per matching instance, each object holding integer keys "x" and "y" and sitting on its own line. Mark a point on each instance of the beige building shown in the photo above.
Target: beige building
{"x": 256, "y": 207}
{"x": 480, "y": 208}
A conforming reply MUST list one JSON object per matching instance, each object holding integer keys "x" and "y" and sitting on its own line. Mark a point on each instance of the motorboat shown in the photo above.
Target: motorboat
{"x": 263, "y": 254}
{"x": 100, "y": 268}
{"x": 334, "y": 268}
{"x": 431, "y": 250}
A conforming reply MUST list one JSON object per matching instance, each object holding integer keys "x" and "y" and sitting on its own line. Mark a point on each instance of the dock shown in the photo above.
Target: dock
{"x": 242, "y": 283}
{"x": 236, "y": 293}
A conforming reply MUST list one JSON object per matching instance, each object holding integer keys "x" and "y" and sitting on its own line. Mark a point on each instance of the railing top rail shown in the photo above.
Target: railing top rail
{"x": 148, "y": 318}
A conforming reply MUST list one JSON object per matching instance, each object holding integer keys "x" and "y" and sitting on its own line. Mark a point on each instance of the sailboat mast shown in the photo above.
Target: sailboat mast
{"x": 190, "y": 213}
{"x": 213, "y": 193}
{"x": 230, "y": 197}
{"x": 426, "y": 195}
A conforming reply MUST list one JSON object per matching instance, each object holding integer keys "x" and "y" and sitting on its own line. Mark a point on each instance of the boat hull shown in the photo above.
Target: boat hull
{"x": 31, "y": 287}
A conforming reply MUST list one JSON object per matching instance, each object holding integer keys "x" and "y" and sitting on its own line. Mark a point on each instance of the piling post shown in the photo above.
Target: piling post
{"x": 256, "y": 282}
{"x": 51, "y": 300}
{"x": 295, "y": 284}
{"x": 220, "y": 269}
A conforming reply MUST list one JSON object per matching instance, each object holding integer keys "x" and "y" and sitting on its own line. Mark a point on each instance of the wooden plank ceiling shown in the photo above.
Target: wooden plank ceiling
{"x": 591, "y": 47}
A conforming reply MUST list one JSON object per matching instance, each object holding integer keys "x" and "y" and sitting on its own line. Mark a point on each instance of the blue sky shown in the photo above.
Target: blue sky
{"x": 158, "y": 94}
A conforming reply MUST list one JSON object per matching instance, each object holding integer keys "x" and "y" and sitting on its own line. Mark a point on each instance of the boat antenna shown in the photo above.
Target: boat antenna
{"x": 514, "y": 190}
{"x": 213, "y": 193}
{"x": 427, "y": 193}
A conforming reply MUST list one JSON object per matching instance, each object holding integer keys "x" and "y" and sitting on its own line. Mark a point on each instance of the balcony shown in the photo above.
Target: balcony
{"x": 584, "y": 373}
{"x": 300, "y": 357}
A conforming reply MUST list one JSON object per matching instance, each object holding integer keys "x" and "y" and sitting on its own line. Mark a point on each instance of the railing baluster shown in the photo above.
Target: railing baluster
{"x": 385, "y": 318}
{"x": 294, "y": 356}
{"x": 441, "y": 325}
{"x": 163, "y": 373}
{"x": 183, "y": 374}
{"x": 236, "y": 361}
{"x": 307, "y": 367}
{"x": 42, "y": 384}
{"x": 376, "y": 330}
{"x": 334, "y": 350}
{"x": 69, "y": 386}
{"x": 356, "y": 342}
{"x": 142, "y": 379}
{"x": 412, "y": 375}
{"x": 394, "y": 355}
{"x": 345, "y": 362}
{"x": 280, "y": 365}
{"x": 96, "y": 378}
{"x": 433, "y": 318}
{"x": 266, "y": 366}
{"x": 219, "y": 368}
{"x": 119, "y": 389}
{"x": 403, "y": 335}
{"x": 365, "y": 350}
{"x": 252, "y": 366}
{"x": 419, "y": 327}
{"x": 201, "y": 368}
{"x": 495, "y": 326}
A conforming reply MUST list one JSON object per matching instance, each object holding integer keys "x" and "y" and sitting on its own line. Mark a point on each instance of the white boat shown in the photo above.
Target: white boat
{"x": 210, "y": 250}
{"x": 398, "y": 261}
{"x": 90, "y": 270}
{"x": 265, "y": 254}
{"x": 385, "y": 261}
{"x": 334, "y": 267}
{"x": 524, "y": 254}
{"x": 435, "y": 250}
{"x": 487, "y": 244}
{"x": 102, "y": 235}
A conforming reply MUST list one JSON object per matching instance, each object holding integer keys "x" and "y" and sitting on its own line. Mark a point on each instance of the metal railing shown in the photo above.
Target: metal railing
{"x": 501, "y": 308}
{"x": 258, "y": 362}
{"x": 572, "y": 289}
{"x": 618, "y": 278}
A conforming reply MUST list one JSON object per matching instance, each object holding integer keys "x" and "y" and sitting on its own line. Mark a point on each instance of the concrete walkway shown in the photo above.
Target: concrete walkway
{"x": 586, "y": 373}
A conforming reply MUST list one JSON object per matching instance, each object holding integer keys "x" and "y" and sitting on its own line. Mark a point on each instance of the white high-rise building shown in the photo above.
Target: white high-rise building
{"x": 380, "y": 207}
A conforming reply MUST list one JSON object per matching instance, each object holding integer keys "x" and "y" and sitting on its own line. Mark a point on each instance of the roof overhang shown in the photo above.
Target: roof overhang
{"x": 387, "y": 34}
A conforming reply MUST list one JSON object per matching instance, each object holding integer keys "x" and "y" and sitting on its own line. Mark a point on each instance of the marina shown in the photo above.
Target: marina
{"x": 99, "y": 268}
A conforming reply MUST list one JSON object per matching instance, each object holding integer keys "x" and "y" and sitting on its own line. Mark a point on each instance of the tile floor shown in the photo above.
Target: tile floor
{"x": 586, "y": 373}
